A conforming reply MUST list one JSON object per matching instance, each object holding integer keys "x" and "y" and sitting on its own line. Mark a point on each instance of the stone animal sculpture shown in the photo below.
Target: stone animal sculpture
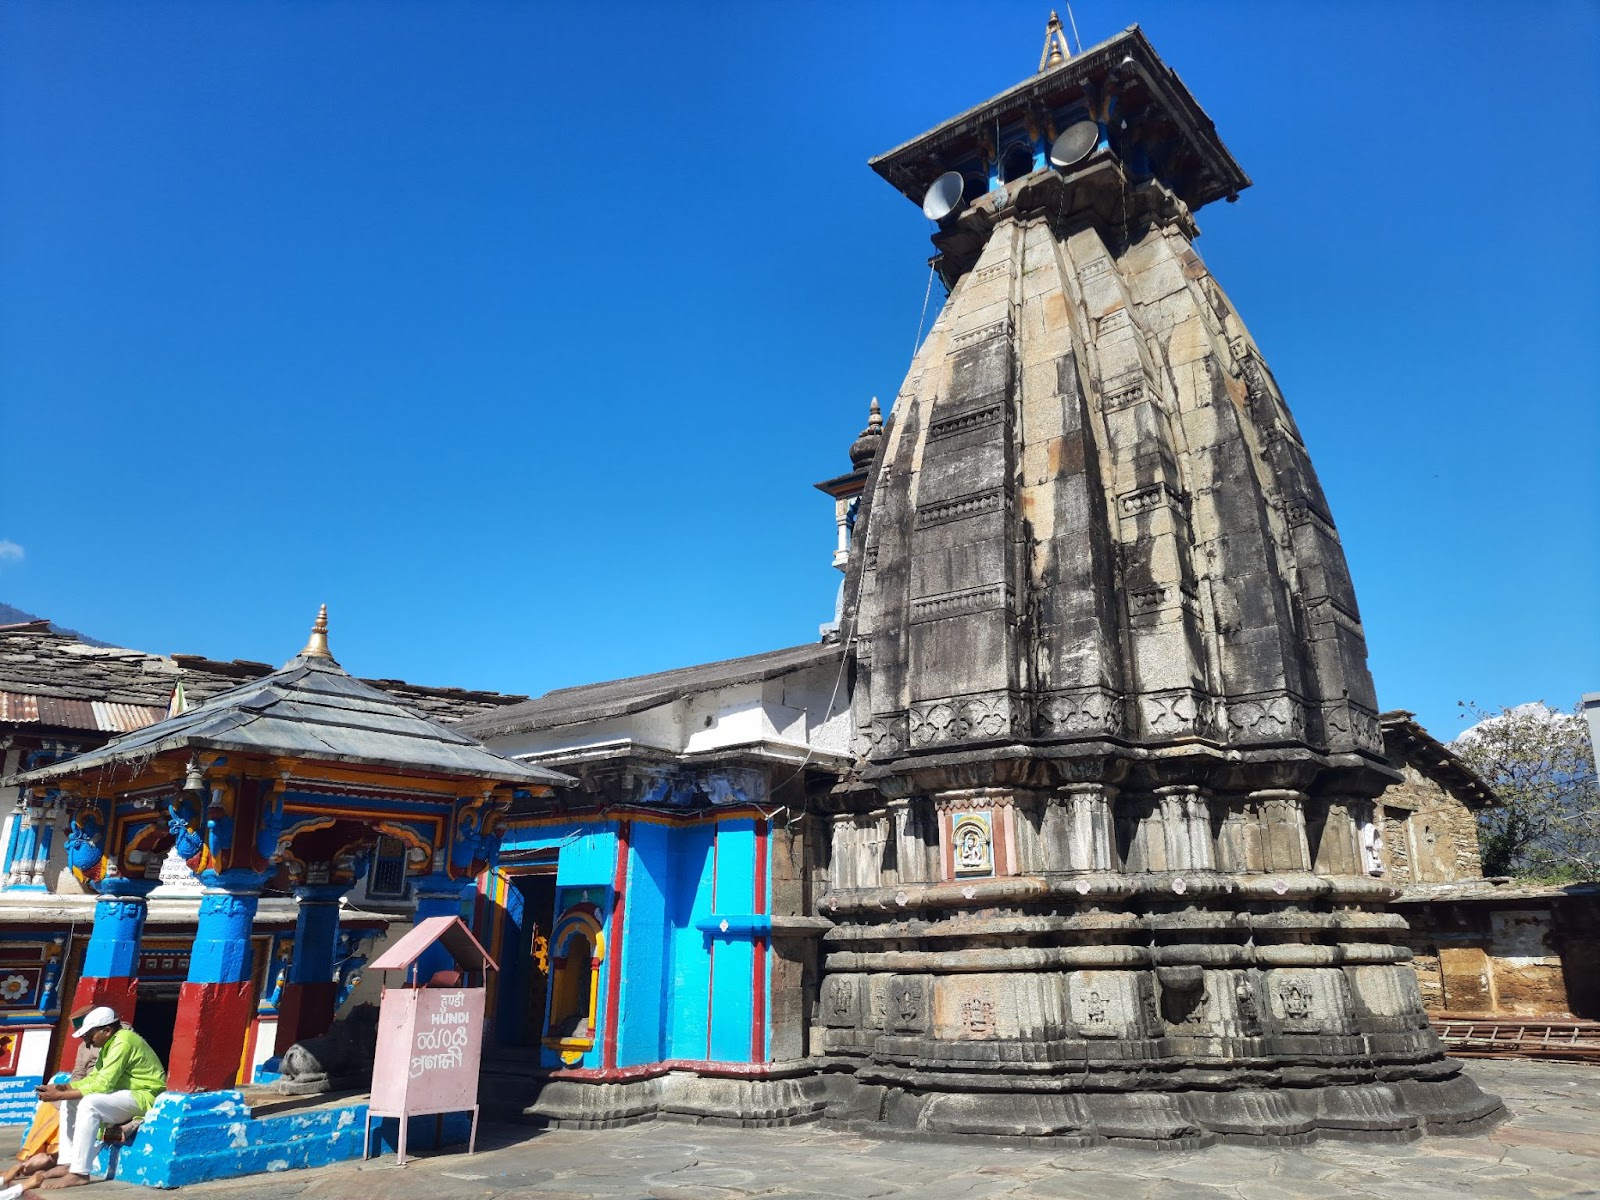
{"x": 340, "y": 1058}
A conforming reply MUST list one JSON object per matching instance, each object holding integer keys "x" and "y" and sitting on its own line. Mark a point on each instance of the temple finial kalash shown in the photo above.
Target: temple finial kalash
{"x": 317, "y": 646}
{"x": 1056, "y": 50}
{"x": 281, "y": 785}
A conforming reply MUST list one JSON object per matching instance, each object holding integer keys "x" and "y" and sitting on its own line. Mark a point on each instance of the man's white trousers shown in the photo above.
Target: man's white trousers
{"x": 81, "y": 1121}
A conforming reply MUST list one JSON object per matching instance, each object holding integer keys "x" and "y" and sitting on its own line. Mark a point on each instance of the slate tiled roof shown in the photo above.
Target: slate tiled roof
{"x": 597, "y": 701}
{"x": 54, "y": 680}
{"x": 1406, "y": 741}
{"x": 311, "y": 709}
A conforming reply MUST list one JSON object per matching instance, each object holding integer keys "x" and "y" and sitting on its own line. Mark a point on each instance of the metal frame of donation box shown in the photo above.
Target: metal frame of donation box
{"x": 430, "y": 1032}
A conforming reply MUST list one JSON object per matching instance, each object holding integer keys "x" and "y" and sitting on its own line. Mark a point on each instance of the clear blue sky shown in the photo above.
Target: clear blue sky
{"x": 519, "y": 333}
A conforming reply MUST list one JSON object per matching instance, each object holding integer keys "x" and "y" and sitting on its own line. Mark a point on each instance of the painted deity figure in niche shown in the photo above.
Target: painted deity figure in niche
{"x": 972, "y": 845}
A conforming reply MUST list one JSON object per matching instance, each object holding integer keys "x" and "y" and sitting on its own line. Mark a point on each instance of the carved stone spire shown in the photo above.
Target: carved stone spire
{"x": 865, "y": 447}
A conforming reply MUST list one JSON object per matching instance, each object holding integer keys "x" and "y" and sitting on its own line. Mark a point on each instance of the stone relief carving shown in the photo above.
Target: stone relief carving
{"x": 1267, "y": 719}
{"x": 908, "y": 1009}
{"x": 1181, "y": 713}
{"x": 1297, "y": 1005}
{"x": 1076, "y": 714}
{"x": 963, "y": 719}
{"x": 977, "y": 1017}
{"x": 841, "y": 1000}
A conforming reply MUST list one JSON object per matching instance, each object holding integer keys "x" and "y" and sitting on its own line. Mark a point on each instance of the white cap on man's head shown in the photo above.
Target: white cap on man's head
{"x": 94, "y": 1019}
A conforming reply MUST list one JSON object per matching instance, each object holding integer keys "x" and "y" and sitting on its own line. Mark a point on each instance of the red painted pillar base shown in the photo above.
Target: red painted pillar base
{"x": 304, "y": 1010}
{"x": 119, "y": 995}
{"x": 209, "y": 1034}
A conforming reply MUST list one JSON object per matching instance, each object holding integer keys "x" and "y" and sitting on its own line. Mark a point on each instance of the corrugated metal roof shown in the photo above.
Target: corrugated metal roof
{"x": 125, "y": 718}
{"x": 26, "y": 708}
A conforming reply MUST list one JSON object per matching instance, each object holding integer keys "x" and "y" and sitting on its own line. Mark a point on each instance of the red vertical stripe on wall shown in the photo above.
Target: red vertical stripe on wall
{"x": 619, "y": 886}
{"x": 758, "y": 982}
{"x": 711, "y": 955}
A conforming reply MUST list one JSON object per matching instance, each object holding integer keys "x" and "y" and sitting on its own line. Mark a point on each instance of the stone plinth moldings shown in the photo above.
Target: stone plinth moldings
{"x": 975, "y": 504}
{"x": 1125, "y": 392}
{"x": 967, "y": 422}
{"x": 1151, "y": 498}
{"x": 974, "y": 337}
{"x": 987, "y": 598}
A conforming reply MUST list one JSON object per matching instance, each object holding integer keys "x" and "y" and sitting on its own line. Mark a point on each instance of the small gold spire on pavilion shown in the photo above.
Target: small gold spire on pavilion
{"x": 317, "y": 647}
{"x": 1056, "y": 49}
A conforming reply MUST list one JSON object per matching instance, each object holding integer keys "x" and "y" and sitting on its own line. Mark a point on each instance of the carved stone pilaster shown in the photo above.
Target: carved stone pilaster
{"x": 1336, "y": 823}
{"x": 1240, "y": 848}
{"x": 1089, "y": 843}
{"x": 916, "y": 841}
{"x": 1283, "y": 829}
{"x": 858, "y": 846}
{"x": 1186, "y": 828}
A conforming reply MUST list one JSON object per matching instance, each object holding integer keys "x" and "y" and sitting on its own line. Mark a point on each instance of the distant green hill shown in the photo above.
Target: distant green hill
{"x": 11, "y": 615}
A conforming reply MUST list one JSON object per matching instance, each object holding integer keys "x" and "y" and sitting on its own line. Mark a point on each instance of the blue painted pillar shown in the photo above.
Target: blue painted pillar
{"x": 21, "y": 872}
{"x": 13, "y": 840}
{"x": 437, "y": 896}
{"x": 111, "y": 960}
{"x": 307, "y": 1004}
{"x": 218, "y": 1002}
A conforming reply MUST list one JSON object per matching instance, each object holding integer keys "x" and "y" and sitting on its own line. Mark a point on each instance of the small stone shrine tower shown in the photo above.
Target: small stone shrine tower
{"x": 1099, "y": 871}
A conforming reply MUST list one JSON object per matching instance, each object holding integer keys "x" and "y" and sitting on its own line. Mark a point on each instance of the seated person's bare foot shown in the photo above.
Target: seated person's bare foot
{"x": 63, "y": 1181}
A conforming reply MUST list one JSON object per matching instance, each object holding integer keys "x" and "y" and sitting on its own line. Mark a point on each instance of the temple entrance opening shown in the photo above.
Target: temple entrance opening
{"x": 525, "y": 956}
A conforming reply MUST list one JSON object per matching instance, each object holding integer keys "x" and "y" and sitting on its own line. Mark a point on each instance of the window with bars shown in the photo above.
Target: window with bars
{"x": 388, "y": 878}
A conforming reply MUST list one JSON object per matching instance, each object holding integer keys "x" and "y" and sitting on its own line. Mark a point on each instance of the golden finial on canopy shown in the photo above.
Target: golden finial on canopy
{"x": 317, "y": 647}
{"x": 1056, "y": 49}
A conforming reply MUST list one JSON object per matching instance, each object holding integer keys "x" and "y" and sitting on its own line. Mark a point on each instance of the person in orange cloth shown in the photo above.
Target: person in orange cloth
{"x": 41, "y": 1143}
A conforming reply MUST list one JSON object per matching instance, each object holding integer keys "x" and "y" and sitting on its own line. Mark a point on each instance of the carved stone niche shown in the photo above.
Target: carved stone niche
{"x": 977, "y": 833}
{"x": 908, "y": 1004}
{"x": 841, "y": 1001}
{"x": 1104, "y": 1004}
{"x": 1242, "y": 1003}
{"x": 1002, "y": 1005}
{"x": 1306, "y": 999}
{"x": 1186, "y": 1000}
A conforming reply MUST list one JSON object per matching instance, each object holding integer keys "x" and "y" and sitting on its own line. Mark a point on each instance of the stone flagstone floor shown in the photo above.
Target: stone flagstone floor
{"x": 1551, "y": 1148}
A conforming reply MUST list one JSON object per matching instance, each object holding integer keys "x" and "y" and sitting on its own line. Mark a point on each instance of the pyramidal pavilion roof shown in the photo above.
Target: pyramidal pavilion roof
{"x": 311, "y": 708}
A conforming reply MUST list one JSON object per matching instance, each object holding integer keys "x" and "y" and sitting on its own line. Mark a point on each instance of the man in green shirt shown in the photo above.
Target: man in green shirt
{"x": 123, "y": 1085}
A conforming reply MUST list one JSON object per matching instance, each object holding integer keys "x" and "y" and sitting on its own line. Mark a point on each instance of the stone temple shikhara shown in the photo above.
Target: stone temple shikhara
{"x": 1098, "y": 869}
{"x": 1063, "y": 830}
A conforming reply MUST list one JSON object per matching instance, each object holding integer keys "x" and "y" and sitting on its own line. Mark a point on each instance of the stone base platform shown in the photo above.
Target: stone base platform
{"x": 189, "y": 1138}
{"x": 1056, "y": 1112}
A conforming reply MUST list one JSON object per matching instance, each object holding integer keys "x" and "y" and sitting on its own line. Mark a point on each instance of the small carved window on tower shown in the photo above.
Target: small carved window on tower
{"x": 1016, "y": 161}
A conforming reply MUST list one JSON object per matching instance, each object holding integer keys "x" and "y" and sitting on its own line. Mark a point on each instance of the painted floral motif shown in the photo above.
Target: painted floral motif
{"x": 14, "y": 987}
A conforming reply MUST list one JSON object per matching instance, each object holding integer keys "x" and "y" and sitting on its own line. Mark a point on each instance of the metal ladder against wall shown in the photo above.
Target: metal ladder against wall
{"x": 1520, "y": 1037}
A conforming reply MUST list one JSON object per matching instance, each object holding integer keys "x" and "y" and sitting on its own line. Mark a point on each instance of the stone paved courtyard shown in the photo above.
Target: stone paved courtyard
{"x": 1551, "y": 1148}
